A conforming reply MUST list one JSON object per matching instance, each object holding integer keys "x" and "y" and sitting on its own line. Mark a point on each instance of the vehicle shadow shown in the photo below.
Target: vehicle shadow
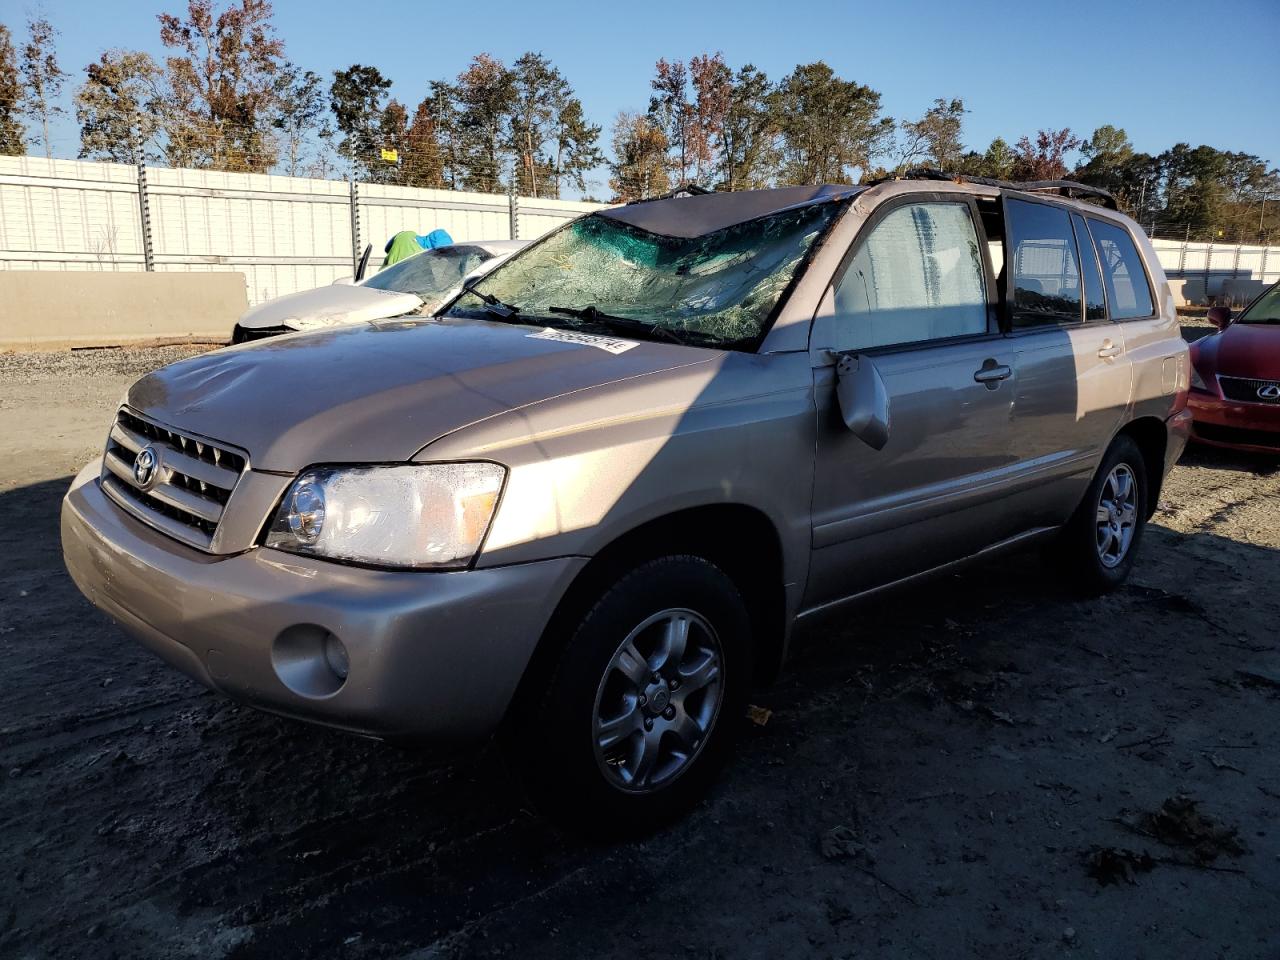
{"x": 192, "y": 814}
{"x": 1220, "y": 458}
{"x": 168, "y": 794}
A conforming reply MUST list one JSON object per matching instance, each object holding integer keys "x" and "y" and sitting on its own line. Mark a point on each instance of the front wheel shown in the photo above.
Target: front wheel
{"x": 639, "y": 714}
{"x": 1098, "y": 546}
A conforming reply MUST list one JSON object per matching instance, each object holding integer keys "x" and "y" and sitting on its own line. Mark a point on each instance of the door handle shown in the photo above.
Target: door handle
{"x": 1109, "y": 350}
{"x": 992, "y": 373}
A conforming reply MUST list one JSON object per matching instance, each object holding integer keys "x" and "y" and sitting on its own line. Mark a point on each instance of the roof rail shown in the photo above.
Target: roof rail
{"x": 1061, "y": 188}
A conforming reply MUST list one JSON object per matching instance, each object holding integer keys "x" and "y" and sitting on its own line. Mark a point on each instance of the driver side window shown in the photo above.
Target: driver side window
{"x": 917, "y": 277}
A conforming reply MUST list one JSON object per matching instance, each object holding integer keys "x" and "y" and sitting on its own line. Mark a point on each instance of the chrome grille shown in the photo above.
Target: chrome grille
{"x": 1246, "y": 389}
{"x": 191, "y": 483}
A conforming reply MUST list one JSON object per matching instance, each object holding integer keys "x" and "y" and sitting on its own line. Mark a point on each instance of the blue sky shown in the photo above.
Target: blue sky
{"x": 1175, "y": 71}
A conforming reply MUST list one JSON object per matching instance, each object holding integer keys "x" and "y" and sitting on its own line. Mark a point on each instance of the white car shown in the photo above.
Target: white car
{"x": 420, "y": 284}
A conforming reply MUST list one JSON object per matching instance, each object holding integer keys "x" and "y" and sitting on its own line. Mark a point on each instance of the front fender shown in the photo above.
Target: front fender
{"x": 589, "y": 467}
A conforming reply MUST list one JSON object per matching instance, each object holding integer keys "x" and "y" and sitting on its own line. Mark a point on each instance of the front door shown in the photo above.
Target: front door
{"x": 916, "y": 297}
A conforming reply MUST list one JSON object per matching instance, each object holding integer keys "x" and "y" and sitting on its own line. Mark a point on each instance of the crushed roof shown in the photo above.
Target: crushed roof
{"x": 688, "y": 217}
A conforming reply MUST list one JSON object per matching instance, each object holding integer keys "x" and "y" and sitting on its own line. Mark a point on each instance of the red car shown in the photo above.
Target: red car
{"x": 1235, "y": 378}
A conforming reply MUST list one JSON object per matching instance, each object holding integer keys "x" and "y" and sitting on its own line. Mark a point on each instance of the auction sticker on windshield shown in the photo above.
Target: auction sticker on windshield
{"x": 608, "y": 344}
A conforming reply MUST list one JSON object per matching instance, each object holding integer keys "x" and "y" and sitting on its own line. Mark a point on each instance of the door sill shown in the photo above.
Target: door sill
{"x": 1021, "y": 539}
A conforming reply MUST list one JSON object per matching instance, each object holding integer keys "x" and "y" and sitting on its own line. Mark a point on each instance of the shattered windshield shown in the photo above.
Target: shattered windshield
{"x": 719, "y": 288}
{"x": 430, "y": 274}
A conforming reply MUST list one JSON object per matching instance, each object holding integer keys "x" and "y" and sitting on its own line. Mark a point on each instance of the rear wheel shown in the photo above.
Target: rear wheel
{"x": 639, "y": 714}
{"x": 1098, "y": 546}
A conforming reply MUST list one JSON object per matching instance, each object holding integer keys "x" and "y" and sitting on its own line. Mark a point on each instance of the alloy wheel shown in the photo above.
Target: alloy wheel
{"x": 658, "y": 700}
{"x": 1117, "y": 515}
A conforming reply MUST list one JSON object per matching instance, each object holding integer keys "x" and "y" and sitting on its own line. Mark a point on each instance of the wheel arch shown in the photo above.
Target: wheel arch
{"x": 1152, "y": 437}
{"x": 741, "y": 540}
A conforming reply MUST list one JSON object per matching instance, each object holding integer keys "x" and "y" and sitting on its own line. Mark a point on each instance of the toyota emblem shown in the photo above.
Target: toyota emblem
{"x": 144, "y": 467}
{"x": 1269, "y": 391}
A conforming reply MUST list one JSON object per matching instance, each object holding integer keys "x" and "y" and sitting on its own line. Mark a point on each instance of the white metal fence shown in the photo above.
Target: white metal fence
{"x": 290, "y": 233}
{"x": 1219, "y": 271}
{"x": 284, "y": 233}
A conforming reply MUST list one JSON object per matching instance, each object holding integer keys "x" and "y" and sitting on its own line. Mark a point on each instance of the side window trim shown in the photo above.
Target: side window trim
{"x": 1142, "y": 261}
{"x": 1078, "y": 221}
{"x": 994, "y": 326}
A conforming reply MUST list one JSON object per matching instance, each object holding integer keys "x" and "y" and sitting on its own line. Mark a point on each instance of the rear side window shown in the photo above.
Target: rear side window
{"x": 1095, "y": 304}
{"x": 1045, "y": 272}
{"x": 1126, "y": 278}
{"x": 918, "y": 276}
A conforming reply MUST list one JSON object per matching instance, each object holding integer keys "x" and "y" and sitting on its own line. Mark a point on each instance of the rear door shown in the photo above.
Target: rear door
{"x": 916, "y": 296}
{"x": 1073, "y": 376}
{"x": 1152, "y": 341}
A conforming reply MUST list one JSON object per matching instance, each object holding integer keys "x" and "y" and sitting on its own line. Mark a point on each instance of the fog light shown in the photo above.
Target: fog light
{"x": 310, "y": 660}
{"x": 335, "y": 654}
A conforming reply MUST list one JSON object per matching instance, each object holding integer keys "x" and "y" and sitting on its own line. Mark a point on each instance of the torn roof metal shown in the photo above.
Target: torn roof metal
{"x": 688, "y": 217}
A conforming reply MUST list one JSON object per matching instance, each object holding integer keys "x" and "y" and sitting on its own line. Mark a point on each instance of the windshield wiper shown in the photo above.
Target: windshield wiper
{"x": 593, "y": 315}
{"x": 492, "y": 305}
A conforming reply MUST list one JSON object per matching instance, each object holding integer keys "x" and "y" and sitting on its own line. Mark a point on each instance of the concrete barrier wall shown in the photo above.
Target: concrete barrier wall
{"x": 40, "y": 307}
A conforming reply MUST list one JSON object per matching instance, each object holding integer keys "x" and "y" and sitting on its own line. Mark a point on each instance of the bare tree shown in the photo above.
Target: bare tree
{"x": 42, "y": 78}
{"x": 301, "y": 109}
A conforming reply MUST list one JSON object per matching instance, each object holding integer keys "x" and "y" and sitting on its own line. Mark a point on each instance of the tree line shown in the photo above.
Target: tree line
{"x": 225, "y": 96}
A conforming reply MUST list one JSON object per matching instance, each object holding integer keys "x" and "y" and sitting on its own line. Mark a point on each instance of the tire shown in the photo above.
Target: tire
{"x": 628, "y": 737}
{"x": 1095, "y": 561}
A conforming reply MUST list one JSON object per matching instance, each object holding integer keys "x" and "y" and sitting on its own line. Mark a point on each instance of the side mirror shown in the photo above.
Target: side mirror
{"x": 1220, "y": 317}
{"x": 864, "y": 399}
{"x": 343, "y": 282}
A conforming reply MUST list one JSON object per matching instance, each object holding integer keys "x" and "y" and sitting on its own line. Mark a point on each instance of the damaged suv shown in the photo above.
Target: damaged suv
{"x": 586, "y": 506}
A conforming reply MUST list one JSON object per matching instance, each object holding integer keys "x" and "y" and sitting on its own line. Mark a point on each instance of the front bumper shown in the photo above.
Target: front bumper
{"x": 1237, "y": 426}
{"x": 434, "y": 656}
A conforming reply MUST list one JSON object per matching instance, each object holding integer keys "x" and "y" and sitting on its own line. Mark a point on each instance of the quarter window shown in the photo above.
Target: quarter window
{"x": 918, "y": 276}
{"x": 1123, "y": 272}
{"x": 1046, "y": 273}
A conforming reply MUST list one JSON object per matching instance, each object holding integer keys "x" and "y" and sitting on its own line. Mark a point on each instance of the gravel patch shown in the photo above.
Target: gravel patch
{"x": 30, "y": 366}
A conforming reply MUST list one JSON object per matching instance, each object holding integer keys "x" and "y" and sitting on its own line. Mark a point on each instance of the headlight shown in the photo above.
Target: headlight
{"x": 1197, "y": 381}
{"x": 417, "y": 515}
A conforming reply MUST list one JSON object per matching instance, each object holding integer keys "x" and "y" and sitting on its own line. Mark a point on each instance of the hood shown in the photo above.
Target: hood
{"x": 1242, "y": 350}
{"x": 380, "y": 392}
{"x": 326, "y": 306}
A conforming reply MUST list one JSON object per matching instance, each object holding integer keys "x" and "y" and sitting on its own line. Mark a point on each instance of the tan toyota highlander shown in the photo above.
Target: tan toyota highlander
{"x": 585, "y": 506}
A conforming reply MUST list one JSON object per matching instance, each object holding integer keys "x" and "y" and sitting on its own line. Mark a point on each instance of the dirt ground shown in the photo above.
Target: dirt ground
{"x": 978, "y": 766}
